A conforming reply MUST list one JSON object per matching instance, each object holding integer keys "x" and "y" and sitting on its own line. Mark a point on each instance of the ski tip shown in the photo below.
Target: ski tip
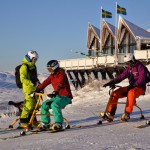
{"x": 22, "y": 133}
{"x": 148, "y": 122}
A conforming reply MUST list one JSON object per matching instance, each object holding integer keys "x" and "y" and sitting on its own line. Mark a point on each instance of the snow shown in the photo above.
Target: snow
{"x": 87, "y": 103}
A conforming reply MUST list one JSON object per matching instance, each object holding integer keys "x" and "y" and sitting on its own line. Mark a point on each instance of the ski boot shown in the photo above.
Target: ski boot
{"x": 44, "y": 127}
{"x": 57, "y": 127}
{"x": 27, "y": 129}
{"x": 22, "y": 125}
{"x": 125, "y": 117}
{"x": 106, "y": 116}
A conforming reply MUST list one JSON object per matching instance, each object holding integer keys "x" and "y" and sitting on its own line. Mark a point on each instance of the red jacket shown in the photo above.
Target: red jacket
{"x": 59, "y": 82}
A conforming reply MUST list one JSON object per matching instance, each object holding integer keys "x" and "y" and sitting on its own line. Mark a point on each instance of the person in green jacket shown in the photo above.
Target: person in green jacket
{"x": 29, "y": 80}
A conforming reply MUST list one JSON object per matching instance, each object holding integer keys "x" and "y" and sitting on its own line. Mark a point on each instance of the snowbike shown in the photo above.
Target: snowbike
{"x": 102, "y": 115}
{"x": 36, "y": 112}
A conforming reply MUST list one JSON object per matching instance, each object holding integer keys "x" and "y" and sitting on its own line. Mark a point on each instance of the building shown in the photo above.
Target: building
{"x": 107, "y": 48}
{"x": 129, "y": 37}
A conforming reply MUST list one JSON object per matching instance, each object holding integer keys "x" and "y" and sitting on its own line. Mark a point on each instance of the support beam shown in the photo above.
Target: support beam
{"x": 95, "y": 72}
{"x": 82, "y": 76}
{"x": 103, "y": 72}
{"x": 110, "y": 73}
{"x": 72, "y": 79}
{"x": 88, "y": 72}
{"x": 77, "y": 78}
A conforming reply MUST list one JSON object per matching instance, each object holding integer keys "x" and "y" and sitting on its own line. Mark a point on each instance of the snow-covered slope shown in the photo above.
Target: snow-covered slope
{"x": 83, "y": 111}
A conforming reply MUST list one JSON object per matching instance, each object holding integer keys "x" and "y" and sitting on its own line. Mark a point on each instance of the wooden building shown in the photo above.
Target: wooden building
{"x": 106, "y": 51}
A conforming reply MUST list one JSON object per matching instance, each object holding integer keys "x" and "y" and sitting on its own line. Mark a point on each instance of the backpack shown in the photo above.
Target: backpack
{"x": 17, "y": 75}
{"x": 147, "y": 75}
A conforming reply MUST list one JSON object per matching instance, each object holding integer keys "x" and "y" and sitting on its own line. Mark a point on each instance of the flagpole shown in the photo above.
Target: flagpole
{"x": 101, "y": 32}
{"x": 116, "y": 27}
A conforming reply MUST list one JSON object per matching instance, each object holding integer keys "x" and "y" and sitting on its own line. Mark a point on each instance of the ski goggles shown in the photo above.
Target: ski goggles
{"x": 34, "y": 59}
{"x": 56, "y": 66}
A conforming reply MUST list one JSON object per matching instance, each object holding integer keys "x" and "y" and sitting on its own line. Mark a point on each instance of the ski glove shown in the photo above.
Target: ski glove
{"x": 32, "y": 94}
{"x": 109, "y": 84}
{"x": 53, "y": 94}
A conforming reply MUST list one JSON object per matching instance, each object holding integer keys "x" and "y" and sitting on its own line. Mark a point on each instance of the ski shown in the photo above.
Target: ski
{"x": 24, "y": 133}
{"x": 144, "y": 125}
{"x": 9, "y": 129}
{"x": 54, "y": 131}
{"x": 103, "y": 122}
{"x": 17, "y": 135}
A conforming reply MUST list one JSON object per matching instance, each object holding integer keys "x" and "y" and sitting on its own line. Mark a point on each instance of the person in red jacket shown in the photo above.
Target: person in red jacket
{"x": 60, "y": 97}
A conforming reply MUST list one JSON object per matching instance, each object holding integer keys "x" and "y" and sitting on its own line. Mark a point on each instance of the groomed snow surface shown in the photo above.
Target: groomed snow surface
{"x": 87, "y": 103}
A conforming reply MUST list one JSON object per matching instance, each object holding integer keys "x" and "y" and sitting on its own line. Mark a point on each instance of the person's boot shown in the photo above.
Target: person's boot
{"x": 56, "y": 127}
{"x": 125, "y": 117}
{"x": 107, "y": 116}
{"x": 23, "y": 123}
{"x": 44, "y": 126}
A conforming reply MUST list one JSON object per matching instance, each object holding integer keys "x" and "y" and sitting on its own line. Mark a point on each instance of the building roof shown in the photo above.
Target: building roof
{"x": 96, "y": 30}
{"x": 112, "y": 28}
{"x": 93, "y": 32}
{"x": 136, "y": 30}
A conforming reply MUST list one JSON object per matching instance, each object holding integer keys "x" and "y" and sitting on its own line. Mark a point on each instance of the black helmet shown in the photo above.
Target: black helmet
{"x": 53, "y": 64}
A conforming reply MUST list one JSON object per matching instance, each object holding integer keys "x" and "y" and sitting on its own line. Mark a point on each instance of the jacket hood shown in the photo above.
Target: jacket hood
{"x": 30, "y": 64}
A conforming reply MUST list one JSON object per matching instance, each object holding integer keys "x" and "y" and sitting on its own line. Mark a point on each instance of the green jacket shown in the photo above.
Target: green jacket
{"x": 27, "y": 84}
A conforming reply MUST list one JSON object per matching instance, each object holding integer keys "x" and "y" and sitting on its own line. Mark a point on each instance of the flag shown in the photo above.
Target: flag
{"x": 121, "y": 10}
{"x": 106, "y": 14}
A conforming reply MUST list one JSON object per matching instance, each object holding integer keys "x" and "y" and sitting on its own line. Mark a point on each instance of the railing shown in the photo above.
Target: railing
{"x": 103, "y": 60}
{"x": 142, "y": 54}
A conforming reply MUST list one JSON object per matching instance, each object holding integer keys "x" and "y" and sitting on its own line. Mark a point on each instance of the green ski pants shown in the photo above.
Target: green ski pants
{"x": 56, "y": 104}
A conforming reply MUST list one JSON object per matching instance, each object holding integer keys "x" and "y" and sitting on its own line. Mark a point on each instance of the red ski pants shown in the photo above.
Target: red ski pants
{"x": 131, "y": 98}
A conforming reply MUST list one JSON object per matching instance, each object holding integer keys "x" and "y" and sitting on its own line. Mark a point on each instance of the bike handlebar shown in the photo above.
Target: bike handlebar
{"x": 40, "y": 94}
{"x": 113, "y": 86}
{"x": 37, "y": 94}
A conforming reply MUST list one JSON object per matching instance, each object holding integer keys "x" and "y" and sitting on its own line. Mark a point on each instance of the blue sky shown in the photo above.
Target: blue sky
{"x": 55, "y": 27}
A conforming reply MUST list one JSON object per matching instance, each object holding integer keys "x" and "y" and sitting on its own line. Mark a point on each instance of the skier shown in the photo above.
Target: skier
{"x": 60, "y": 97}
{"x": 136, "y": 73}
{"x": 29, "y": 80}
